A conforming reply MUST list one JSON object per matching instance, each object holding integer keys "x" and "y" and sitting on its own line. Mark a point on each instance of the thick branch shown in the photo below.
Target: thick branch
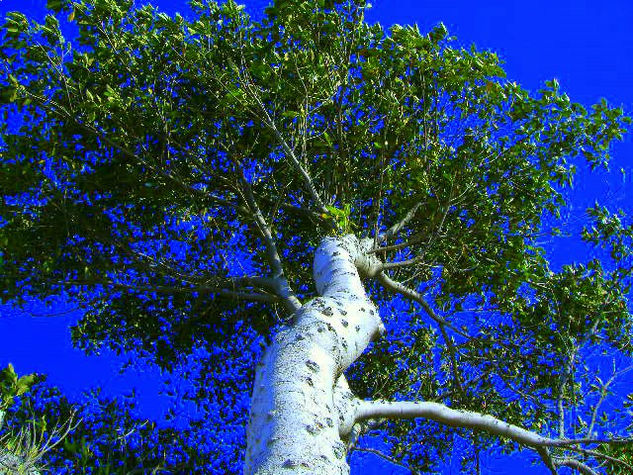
{"x": 576, "y": 465}
{"x": 451, "y": 417}
{"x": 474, "y": 420}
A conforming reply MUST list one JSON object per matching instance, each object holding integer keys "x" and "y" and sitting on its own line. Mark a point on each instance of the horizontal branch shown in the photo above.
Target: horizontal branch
{"x": 164, "y": 289}
{"x": 451, "y": 417}
{"x": 474, "y": 420}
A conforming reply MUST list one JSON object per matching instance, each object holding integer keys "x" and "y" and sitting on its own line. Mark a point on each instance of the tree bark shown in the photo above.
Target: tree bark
{"x": 301, "y": 408}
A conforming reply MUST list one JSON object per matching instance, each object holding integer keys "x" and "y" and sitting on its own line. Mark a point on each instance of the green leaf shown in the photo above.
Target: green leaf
{"x": 291, "y": 114}
{"x": 25, "y": 383}
{"x": 55, "y": 5}
{"x": 8, "y": 94}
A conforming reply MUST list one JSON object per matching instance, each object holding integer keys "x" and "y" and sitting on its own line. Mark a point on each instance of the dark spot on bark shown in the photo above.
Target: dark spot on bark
{"x": 290, "y": 464}
{"x": 343, "y": 312}
{"x": 300, "y": 337}
{"x": 324, "y": 457}
{"x": 362, "y": 309}
{"x": 339, "y": 450}
{"x": 344, "y": 323}
{"x": 371, "y": 312}
{"x": 357, "y": 328}
{"x": 329, "y": 421}
{"x": 309, "y": 381}
{"x": 335, "y": 253}
{"x": 313, "y": 365}
{"x": 320, "y": 329}
{"x": 327, "y": 312}
{"x": 311, "y": 429}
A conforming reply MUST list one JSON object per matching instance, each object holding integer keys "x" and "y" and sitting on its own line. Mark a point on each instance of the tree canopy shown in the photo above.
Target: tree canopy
{"x": 174, "y": 175}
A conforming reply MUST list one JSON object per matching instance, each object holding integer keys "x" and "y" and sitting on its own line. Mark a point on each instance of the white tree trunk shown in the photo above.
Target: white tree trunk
{"x": 301, "y": 407}
{"x": 302, "y": 410}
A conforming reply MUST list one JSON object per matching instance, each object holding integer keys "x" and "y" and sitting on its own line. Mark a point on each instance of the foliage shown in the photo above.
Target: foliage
{"x": 11, "y": 386}
{"x": 110, "y": 439}
{"x": 25, "y": 443}
{"x": 153, "y": 166}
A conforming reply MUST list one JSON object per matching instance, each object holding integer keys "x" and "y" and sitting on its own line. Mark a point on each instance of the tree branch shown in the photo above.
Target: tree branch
{"x": 450, "y": 417}
{"x": 473, "y": 420}
{"x": 389, "y": 459}
{"x": 395, "y": 229}
{"x": 397, "y": 287}
{"x": 575, "y": 465}
{"x": 220, "y": 291}
{"x": 282, "y": 288}
{"x": 600, "y": 455}
{"x": 265, "y": 117}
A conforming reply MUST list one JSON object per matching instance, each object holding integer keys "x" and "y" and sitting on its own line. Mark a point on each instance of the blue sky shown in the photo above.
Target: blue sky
{"x": 586, "y": 45}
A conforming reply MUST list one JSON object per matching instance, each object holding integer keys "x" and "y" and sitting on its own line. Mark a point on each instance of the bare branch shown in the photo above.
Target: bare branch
{"x": 450, "y": 417}
{"x": 395, "y": 229}
{"x": 389, "y": 459}
{"x": 397, "y": 287}
{"x": 270, "y": 123}
{"x": 604, "y": 391}
{"x": 576, "y": 465}
{"x": 282, "y": 287}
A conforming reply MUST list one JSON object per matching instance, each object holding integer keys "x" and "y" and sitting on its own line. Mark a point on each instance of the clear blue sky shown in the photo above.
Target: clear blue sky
{"x": 586, "y": 44}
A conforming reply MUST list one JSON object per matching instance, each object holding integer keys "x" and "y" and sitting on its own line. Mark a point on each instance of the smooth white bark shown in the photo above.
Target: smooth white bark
{"x": 301, "y": 408}
{"x": 450, "y": 417}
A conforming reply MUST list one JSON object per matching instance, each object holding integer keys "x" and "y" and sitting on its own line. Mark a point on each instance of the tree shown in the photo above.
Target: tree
{"x": 22, "y": 448}
{"x": 177, "y": 176}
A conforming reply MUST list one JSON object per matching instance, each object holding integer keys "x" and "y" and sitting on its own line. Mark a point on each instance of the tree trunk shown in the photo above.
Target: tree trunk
{"x": 302, "y": 409}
